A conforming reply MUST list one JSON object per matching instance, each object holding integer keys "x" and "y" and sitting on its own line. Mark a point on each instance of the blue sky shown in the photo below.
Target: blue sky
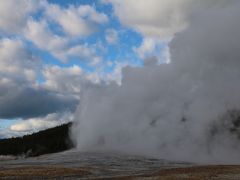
{"x": 50, "y": 49}
{"x": 119, "y": 52}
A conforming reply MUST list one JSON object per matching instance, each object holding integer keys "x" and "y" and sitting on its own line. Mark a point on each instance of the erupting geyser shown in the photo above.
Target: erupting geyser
{"x": 188, "y": 109}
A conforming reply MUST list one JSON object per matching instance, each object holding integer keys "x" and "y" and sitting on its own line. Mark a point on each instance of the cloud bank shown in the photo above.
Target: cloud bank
{"x": 20, "y": 96}
{"x": 38, "y": 39}
{"x": 37, "y": 124}
{"x": 183, "y": 110}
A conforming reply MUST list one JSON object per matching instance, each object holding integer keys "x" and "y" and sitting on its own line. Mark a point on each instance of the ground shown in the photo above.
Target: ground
{"x": 79, "y": 165}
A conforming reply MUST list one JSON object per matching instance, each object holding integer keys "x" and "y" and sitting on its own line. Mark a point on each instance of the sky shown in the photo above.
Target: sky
{"x": 49, "y": 49}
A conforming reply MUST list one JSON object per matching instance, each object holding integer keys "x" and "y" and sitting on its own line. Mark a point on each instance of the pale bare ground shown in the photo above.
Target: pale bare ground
{"x": 85, "y": 165}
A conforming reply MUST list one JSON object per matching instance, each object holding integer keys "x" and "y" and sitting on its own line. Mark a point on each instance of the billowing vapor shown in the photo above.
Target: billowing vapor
{"x": 186, "y": 110}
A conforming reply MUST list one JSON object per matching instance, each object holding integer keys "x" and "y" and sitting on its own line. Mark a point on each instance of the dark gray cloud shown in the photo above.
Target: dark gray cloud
{"x": 20, "y": 94}
{"x": 26, "y": 102}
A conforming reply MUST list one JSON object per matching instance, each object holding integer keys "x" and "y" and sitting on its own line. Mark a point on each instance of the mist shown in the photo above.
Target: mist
{"x": 188, "y": 109}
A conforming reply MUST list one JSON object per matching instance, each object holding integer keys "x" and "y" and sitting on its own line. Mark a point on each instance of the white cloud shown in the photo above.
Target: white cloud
{"x": 7, "y": 133}
{"x": 65, "y": 80}
{"x": 79, "y": 20}
{"x": 16, "y": 62}
{"x": 60, "y": 47}
{"x": 160, "y": 18}
{"x": 156, "y": 20}
{"x": 41, "y": 35}
{"x": 146, "y": 48}
{"x": 41, "y": 123}
{"x": 69, "y": 80}
{"x": 14, "y": 14}
{"x": 20, "y": 94}
{"x": 81, "y": 51}
{"x": 153, "y": 48}
{"x": 111, "y": 36}
{"x": 153, "y": 18}
{"x": 76, "y": 21}
{"x": 91, "y": 14}
{"x": 116, "y": 74}
{"x": 165, "y": 56}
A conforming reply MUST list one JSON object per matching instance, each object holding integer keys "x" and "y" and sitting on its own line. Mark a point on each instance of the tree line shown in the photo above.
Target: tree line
{"x": 48, "y": 141}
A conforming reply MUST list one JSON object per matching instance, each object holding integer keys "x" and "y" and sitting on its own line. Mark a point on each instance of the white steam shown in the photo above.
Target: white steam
{"x": 185, "y": 110}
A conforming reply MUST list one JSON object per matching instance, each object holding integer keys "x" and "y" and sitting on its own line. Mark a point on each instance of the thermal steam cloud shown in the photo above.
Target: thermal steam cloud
{"x": 183, "y": 110}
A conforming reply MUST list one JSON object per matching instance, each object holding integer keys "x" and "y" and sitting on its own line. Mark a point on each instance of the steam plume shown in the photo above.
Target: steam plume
{"x": 186, "y": 110}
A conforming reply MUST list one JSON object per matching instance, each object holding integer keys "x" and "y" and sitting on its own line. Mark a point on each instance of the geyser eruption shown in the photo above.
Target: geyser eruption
{"x": 187, "y": 110}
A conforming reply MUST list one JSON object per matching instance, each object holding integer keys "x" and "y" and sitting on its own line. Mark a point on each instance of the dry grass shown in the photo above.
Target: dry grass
{"x": 200, "y": 172}
{"x": 43, "y": 172}
{"x": 195, "y": 173}
{"x": 192, "y": 173}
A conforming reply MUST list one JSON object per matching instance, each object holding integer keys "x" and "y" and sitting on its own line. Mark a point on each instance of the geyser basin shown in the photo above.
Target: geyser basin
{"x": 91, "y": 165}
